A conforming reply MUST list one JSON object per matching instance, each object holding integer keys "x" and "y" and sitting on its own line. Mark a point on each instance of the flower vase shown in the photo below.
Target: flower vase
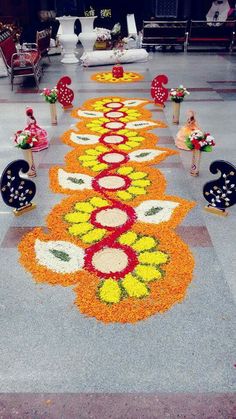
{"x": 28, "y": 156}
{"x": 68, "y": 39}
{"x": 117, "y": 71}
{"x": 53, "y": 112}
{"x": 176, "y": 112}
{"x": 195, "y": 162}
{"x": 87, "y": 36}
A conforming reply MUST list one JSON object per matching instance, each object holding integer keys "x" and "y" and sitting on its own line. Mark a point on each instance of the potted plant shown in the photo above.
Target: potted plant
{"x": 50, "y": 96}
{"x": 198, "y": 141}
{"x": 25, "y": 140}
{"x": 177, "y": 96}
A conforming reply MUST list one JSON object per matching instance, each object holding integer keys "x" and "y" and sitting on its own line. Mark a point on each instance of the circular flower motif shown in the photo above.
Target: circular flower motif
{"x": 90, "y": 158}
{"x": 107, "y": 77}
{"x": 138, "y": 186}
{"x": 148, "y": 269}
{"x": 107, "y": 103}
{"x": 123, "y": 139}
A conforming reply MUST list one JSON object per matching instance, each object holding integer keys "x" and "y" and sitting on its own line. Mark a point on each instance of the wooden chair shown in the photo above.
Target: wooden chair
{"x": 22, "y": 62}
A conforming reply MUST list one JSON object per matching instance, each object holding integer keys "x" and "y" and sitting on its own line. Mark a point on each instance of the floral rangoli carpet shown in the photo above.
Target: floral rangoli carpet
{"x": 107, "y": 77}
{"x": 112, "y": 239}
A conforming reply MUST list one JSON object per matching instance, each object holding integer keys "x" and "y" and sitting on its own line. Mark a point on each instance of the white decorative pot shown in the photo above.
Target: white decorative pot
{"x": 87, "y": 36}
{"x": 68, "y": 39}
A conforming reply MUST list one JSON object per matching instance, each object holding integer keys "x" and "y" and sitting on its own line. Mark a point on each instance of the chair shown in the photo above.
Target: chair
{"x": 20, "y": 62}
{"x": 43, "y": 42}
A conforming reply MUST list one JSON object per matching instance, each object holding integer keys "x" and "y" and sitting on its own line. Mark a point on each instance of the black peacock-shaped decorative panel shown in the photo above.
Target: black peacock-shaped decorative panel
{"x": 17, "y": 192}
{"x": 221, "y": 193}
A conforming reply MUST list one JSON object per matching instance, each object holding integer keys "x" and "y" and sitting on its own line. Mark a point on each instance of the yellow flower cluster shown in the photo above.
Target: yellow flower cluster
{"x": 134, "y": 140}
{"x": 148, "y": 269}
{"x": 80, "y": 220}
{"x": 89, "y": 159}
{"x": 139, "y": 183}
{"x": 99, "y": 105}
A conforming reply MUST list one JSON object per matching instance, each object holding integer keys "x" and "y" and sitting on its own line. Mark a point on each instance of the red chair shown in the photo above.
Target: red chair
{"x": 43, "y": 42}
{"x": 20, "y": 63}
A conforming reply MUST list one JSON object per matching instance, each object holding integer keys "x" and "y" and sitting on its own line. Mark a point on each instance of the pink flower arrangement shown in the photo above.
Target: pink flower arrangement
{"x": 50, "y": 95}
{"x": 177, "y": 95}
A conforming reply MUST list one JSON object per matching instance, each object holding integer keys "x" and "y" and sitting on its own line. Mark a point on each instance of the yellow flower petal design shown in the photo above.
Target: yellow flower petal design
{"x": 136, "y": 191}
{"x": 153, "y": 258}
{"x": 77, "y": 217}
{"x": 145, "y": 243}
{"x": 99, "y": 167}
{"x": 94, "y": 236}
{"x": 128, "y": 238}
{"x": 148, "y": 273}
{"x": 92, "y": 152}
{"x": 133, "y": 144}
{"x": 78, "y": 229}
{"x": 141, "y": 182}
{"x": 134, "y": 287}
{"x": 89, "y": 163}
{"x": 138, "y": 175}
{"x": 110, "y": 291}
{"x": 124, "y": 147}
{"x": 124, "y": 195}
{"x": 86, "y": 158}
{"x": 138, "y": 139}
{"x": 131, "y": 133}
{"x": 96, "y": 201}
{"x": 84, "y": 206}
{"x": 125, "y": 170}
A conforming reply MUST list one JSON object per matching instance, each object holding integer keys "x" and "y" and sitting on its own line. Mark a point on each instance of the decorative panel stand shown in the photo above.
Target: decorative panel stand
{"x": 17, "y": 192}
{"x": 221, "y": 193}
{"x": 65, "y": 94}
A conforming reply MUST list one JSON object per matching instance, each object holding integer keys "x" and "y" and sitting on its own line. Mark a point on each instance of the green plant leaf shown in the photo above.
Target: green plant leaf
{"x": 60, "y": 255}
{"x": 142, "y": 154}
{"x": 153, "y": 211}
{"x": 189, "y": 144}
{"x": 83, "y": 138}
{"x": 75, "y": 180}
{"x": 207, "y": 148}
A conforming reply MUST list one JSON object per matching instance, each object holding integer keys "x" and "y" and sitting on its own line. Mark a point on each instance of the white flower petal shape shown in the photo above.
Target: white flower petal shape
{"x": 145, "y": 154}
{"x": 84, "y": 139}
{"x": 59, "y": 256}
{"x": 140, "y": 124}
{"x": 74, "y": 181}
{"x": 155, "y": 211}
{"x": 134, "y": 102}
{"x": 90, "y": 114}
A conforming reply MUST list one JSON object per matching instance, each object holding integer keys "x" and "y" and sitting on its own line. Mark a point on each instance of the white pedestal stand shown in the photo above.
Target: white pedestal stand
{"x": 68, "y": 39}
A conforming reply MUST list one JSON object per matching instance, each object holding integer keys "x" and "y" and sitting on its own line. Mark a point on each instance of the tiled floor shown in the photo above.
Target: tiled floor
{"x": 179, "y": 364}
